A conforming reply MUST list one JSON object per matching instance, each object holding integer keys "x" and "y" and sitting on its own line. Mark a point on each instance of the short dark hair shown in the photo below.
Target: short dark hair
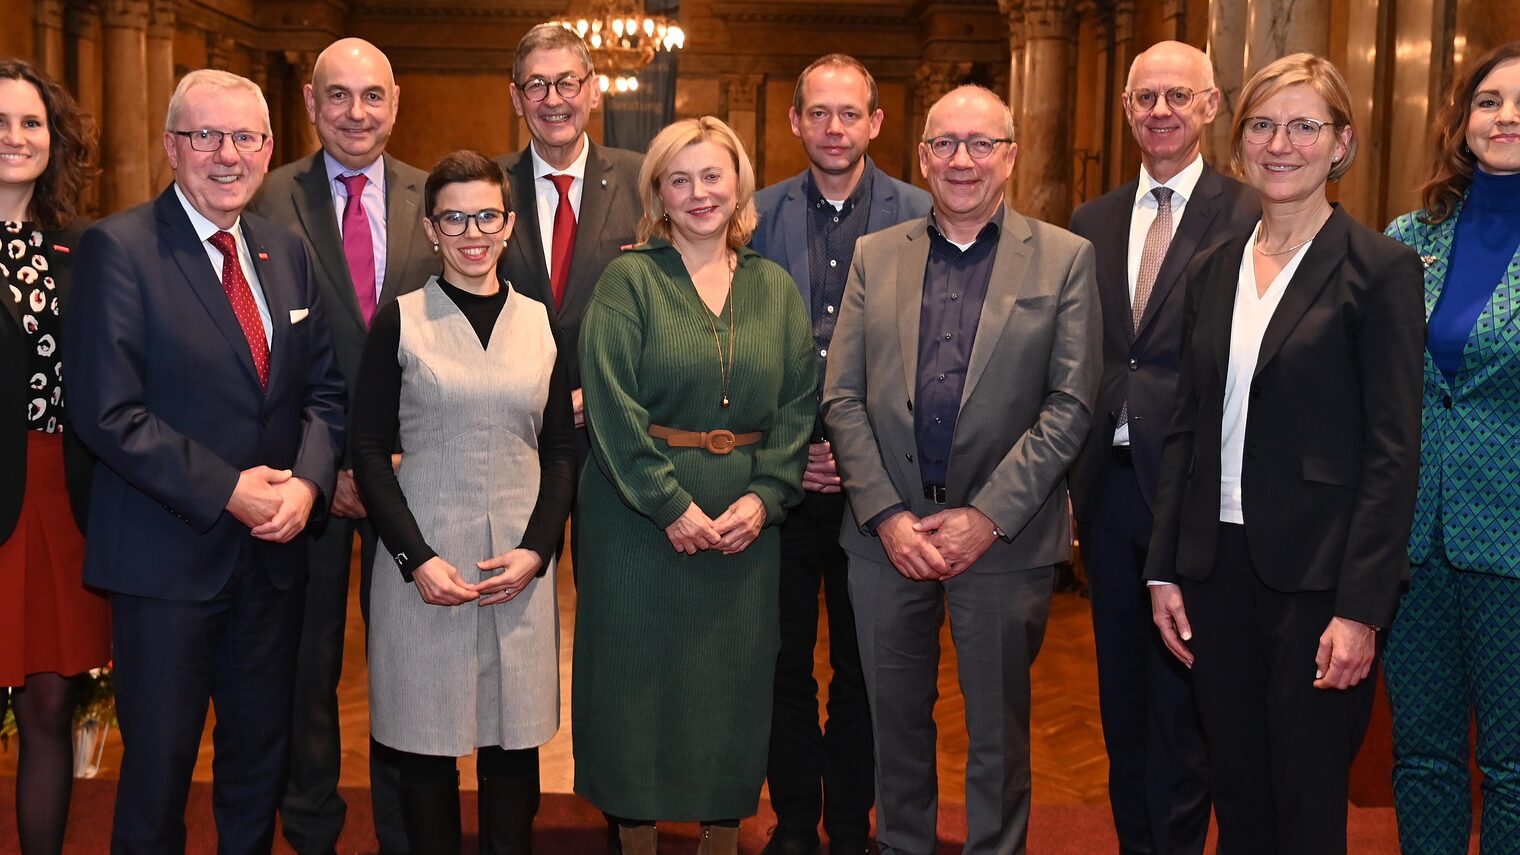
{"x": 1453, "y": 162}
{"x": 71, "y": 151}
{"x": 550, "y": 37}
{"x": 837, "y": 60}
{"x": 462, "y": 167}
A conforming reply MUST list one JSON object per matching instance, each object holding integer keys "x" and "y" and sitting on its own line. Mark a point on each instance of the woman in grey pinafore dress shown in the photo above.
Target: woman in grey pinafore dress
{"x": 464, "y": 377}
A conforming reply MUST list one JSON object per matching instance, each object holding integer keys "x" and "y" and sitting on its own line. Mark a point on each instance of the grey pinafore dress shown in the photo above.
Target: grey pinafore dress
{"x": 447, "y": 680}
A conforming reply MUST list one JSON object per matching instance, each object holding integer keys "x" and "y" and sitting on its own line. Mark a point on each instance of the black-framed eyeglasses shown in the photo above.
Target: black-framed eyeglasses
{"x": 980, "y": 148}
{"x": 454, "y": 223}
{"x": 537, "y": 88}
{"x": 1177, "y": 98}
{"x": 1301, "y": 132}
{"x": 205, "y": 139}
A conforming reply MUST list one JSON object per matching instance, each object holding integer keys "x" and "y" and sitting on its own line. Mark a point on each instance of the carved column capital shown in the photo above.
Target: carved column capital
{"x": 933, "y": 79}
{"x": 1124, "y": 20}
{"x": 127, "y": 14}
{"x": 49, "y": 13}
{"x": 162, "y": 15}
{"x": 258, "y": 69}
{"x": 219, "y": 48}
{"x": 1050, "y": 19}
{"x": 742, "y": 91}
{"x": 82, "y": 19}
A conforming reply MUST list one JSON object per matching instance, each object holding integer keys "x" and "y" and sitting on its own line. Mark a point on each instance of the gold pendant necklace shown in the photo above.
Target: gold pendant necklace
{"x": 725, "y": 372}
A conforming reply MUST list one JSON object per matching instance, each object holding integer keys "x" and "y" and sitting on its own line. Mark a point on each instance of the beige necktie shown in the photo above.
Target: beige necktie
{"x": 1157, "y": 239}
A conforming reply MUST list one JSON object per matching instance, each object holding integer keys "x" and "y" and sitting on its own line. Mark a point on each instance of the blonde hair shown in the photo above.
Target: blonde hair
{"x": 1297, "y": 69}
{"x": 666, "y": 145}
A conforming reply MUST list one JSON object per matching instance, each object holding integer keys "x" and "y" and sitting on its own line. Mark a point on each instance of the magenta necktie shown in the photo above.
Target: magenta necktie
{"x": 240, "y": 295}
{"x": 359, "y": 246}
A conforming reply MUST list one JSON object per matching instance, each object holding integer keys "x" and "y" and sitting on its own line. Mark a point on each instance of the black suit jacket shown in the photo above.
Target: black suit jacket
{"x": 298, "y": 196}
{"x": 609, "y": 219}
{"x": 162, "y": 388}
{"x": 1143, "y": 364}
{"x": 1333, "y": 436}
{"x": 14, "y": 377}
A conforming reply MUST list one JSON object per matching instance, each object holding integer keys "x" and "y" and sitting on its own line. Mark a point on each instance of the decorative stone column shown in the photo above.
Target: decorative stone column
{"x": 1174, "y": 19}
{"x": 1013, "y": 10}
{"x": 47, "y": 48}
{"x": 125, "y": 126}
{"x": 1227, "y": 44}
{"x": 1276, "y": 28}
{"x": 742, "y": 94}
{"x": 82, "y": 24}
{"x": 160, "y": 85}
{"x": 1118, "y": 167}
{"x": 930, "y": 83}
{"x": 1045, "y": 149}
{"x": 219, "y": 48}
{"x": 301, "y": 63}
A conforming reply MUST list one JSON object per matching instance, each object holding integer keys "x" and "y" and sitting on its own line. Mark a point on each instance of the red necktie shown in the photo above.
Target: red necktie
{"x": 564, "y": 239}
{"x": 359, "y": 245}
{"x": 240, "y": 295}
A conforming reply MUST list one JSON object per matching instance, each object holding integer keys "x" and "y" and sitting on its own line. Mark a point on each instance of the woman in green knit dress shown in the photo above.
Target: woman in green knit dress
{"x": 699, "y": 379}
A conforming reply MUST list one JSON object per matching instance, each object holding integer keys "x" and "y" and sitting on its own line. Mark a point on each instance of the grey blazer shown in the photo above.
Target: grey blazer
{"x": 782, "y": 235}
{"x": 298, "y": 197}
{"x": 1026, "y": 408}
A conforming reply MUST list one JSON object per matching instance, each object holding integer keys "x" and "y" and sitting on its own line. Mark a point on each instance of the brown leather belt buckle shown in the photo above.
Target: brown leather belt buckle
{"x": 718, "y": 441}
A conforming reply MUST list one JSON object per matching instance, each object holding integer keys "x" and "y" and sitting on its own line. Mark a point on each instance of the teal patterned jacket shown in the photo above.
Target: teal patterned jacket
{"x": 1470, "y": 432}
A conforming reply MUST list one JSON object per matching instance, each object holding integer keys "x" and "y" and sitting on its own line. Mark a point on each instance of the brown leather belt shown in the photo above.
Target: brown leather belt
{"x": 714, "y": 441}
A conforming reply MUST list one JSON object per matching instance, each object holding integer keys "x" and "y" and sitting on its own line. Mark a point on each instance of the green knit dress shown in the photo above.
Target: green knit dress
{"x": 674, "y": 653}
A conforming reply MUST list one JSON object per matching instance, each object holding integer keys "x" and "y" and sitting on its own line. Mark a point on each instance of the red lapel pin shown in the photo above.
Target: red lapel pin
{"x": 61, "y": 248}
{"x": 263, "y": 256}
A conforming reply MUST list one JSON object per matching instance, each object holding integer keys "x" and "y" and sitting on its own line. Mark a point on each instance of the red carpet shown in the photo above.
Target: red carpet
{"x": 569, "y": 826}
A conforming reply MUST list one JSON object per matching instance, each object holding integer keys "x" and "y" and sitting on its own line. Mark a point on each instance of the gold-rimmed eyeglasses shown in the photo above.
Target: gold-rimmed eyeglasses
{"x": 1177, "y": 98}
{"x": 1301, "y": 132}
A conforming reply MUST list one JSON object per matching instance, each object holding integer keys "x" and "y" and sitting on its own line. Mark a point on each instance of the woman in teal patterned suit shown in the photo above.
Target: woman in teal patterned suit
{"x": 1455, "y": 646}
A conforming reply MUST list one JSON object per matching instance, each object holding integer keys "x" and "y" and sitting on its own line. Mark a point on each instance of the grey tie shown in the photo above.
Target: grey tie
{"x": 1157, "y": 239}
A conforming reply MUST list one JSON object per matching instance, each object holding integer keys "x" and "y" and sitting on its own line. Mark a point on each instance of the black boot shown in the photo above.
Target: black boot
{"x": 430, "y": 812}
{"x": 507, "y": 808}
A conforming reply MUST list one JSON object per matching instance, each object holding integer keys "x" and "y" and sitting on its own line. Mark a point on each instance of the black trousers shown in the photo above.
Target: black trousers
{"x": 311, "y": 812}
{"x": 1157, "y": 762}
{"x": 173, "y": 657}
{"x": 1280, "y": 750}
{"x": 813, "y": 771}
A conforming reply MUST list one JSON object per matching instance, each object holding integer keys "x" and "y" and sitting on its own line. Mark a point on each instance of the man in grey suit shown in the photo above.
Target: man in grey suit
{"x": 1157, "y": 764}
{"x": 360, "y": 213}
{"x": 959, "y": 388}
{"x": 809, "y": 224}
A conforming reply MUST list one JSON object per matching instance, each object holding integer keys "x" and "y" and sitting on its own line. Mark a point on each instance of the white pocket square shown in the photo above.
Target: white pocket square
{"x": 298, "y": 315}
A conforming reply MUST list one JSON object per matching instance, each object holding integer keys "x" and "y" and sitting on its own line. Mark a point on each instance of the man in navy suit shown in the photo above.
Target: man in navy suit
{"x": 809, "y": 224}
{"x": 202, "y": 375}
{"x": 1144, "y": 234}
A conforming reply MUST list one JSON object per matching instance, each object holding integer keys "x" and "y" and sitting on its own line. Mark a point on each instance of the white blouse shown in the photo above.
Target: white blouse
{"x": 1248, "y": 325}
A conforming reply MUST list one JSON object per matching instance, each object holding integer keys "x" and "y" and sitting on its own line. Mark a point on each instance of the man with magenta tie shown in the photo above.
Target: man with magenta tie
{"x": 359, "y": 211}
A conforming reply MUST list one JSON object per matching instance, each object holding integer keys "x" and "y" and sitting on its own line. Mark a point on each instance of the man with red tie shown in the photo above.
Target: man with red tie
{"x": 359, "y": 212}
{"x": 577, "y": 203}
{"x": 202, "y": 375}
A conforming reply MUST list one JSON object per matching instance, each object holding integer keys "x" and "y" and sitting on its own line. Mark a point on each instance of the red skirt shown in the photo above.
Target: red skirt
{"x": 49, "y": 621}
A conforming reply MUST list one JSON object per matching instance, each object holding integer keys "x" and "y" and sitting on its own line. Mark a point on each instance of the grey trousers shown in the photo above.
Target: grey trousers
{"x": 997, "y": 623}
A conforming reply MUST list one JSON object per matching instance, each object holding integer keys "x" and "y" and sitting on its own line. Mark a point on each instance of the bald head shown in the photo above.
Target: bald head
{"x": 352, "y": 100}
{"x": 1169, "y": 100}
{"x": 974, "y": 98}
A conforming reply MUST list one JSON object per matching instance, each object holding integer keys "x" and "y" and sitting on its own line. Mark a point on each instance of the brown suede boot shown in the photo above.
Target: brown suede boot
{"x": 719, "y": 840}
{"x": 639, "y": 839}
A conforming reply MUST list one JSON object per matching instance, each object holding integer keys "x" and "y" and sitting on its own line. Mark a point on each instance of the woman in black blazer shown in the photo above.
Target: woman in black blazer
{"x": 1288, "y": 475}
{"x": 51, "y": 627}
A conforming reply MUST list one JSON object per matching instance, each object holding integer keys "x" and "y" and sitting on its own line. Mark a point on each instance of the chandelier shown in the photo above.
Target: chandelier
{"x": 623, "y": 40}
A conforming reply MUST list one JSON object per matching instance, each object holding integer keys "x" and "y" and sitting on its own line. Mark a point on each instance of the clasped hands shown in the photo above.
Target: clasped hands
{"x": 439, "y": 583}
{"x": 731, "y": 533}
{"x": 939, "y": 546}
{"x": 272, "y": 503}
{"x": 1344, "y": 658}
